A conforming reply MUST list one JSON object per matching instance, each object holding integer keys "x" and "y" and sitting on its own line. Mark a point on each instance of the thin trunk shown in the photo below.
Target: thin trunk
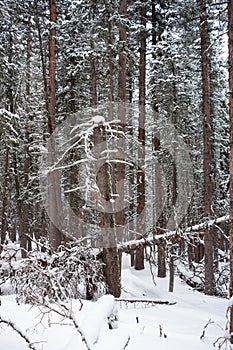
{"x": 171, "y": 270}
{"x": 25, "y": 241}
{"x": 158, "y": 217}
{"x": 6, "y": 168}
{"x": 120, "y": 167}
{"x": 230, "y": 48}
{"x": 19, "y": 202}
{"x": 132, "y": 258}
{"x": 5, "y": 200}
{"x": 141, "y": 139}
{"x": 208, "y": 239}
{"x": 110, "y": 59}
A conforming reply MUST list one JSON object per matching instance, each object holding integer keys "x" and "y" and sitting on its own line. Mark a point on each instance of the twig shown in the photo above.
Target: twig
{"x": 19, "y": 331}
{"x": 69, "y": 314}
{"x": 127, "y": 343}
{"x": 207, "y": 324}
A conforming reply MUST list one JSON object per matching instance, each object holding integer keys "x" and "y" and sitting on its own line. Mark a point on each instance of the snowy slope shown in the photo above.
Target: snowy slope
{"x": 140, "y": 326}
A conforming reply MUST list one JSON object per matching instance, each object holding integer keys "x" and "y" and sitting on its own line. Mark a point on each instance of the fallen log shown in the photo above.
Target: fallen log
{"x": 149, "y": 240}
{"x": 146, "y": 301}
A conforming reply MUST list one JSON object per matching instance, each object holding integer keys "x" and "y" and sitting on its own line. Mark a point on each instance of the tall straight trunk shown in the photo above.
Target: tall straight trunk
{"x": 139, "y": 261}
{"x": 208, "y": 237}
{"x": 25, "y": 241}
{"x": 230, "y": 48}
{"x": 120, "y": 167}
{"x": 6, "y": 167}
{"x": 108, "y": 223}
{"x": 110, "y": 61}
{"x": 158, "y": 220}
{"x": 54, "y": 194}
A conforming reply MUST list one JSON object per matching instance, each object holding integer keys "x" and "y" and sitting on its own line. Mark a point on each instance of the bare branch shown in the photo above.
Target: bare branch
{"x": 206, "y": 325}
{"x": 127, "y": 343}
{"x": 19, "y": 331}
{"x": 67, "y": 313}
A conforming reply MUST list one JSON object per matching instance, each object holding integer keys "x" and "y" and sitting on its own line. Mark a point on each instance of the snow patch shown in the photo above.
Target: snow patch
{"x": 98, "y": 119}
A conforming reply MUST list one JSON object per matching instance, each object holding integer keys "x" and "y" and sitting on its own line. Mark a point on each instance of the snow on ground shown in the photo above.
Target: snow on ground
{"x": 163, "y": 327}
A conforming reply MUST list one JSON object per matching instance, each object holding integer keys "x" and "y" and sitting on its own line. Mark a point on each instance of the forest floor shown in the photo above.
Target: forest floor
{"x": 179, "y": 326}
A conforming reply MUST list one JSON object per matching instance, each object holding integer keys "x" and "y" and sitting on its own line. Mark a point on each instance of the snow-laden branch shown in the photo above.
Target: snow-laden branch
{"x": 19, "y": 331}
{"x": 149, "y": 240}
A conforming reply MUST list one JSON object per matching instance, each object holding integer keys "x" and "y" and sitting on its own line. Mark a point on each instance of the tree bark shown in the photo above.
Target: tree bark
{"x": 107, "y": 222}
{"x": 122, "y": 54}
{"x": 208, "y": 238}
{"x": 5, "y": 199}
{"x": 93, "y": 79}
{"x": 25, "y": 240}
{"x": 54, "y": 195}
{"x": 120, "y": 166}
{"x": 141, "y": 137}
{"x": 230, "y": 48}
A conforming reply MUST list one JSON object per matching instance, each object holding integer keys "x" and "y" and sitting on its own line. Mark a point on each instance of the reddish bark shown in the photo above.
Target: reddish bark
{"x": 207, "y": 185}
{"x": 141, "y": 138}
{"x": 230, "y": 48}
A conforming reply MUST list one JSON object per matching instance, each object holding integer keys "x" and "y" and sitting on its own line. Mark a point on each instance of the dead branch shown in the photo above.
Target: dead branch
{"x": 127, "y": 343}
{"x": 67, "y": 313}
{"x": 146, "y": 301}
{"x": 19, "y": 331}
{"x": 206, "y": 325}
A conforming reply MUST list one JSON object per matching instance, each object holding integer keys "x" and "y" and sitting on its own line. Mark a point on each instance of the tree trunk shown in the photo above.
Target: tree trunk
{"x": 171, "y": 270}
{"x": 122, "y": 54}
{"x": 230, "y": 48}
{"x": 6, "y": 175}
{"x": 141, "y": 138}
{"x": 208, "y": 239}
{"x": 139, "y": 258}
{"x": 4, "y": 200}
{"x": 162, "y": 258}
{"x": 158, "y": 217}
{"x": 120, "y": 166}
{"x": 110, "y": 61}
{"x": 54, "y": 195}
{"x": 25, "y": 241}
{"x": 108, "y": 223}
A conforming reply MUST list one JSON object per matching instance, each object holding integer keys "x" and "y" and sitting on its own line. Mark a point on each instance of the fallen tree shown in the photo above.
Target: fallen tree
{"x": 151, "y": 238}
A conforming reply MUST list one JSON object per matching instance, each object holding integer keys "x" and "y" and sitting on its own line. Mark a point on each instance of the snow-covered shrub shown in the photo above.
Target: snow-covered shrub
{"x": 73, "y": 272}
